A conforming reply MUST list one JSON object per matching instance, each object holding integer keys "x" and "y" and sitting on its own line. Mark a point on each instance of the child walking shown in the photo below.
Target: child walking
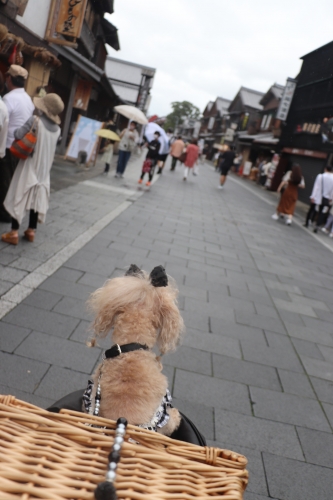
{"x": 151, "y": 159}
{"x": 108, "y": 154}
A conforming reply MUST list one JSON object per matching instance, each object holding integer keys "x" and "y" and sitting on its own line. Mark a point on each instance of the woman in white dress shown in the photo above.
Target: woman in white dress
{"x": 30, "y": 185}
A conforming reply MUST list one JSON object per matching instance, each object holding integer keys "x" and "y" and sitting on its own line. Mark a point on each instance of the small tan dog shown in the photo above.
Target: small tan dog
{"x": 142, "y": 312}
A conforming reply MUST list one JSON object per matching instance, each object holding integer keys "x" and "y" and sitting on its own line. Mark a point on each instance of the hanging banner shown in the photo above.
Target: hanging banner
{"x": 82, "y": 94}
{"x": 84, "y": 138}
{"x": 286, "y": 99}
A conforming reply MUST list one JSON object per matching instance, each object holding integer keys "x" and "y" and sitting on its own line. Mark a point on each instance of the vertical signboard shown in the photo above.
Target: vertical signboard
{"x": 70, "y": 17}
{"x": 65, "y": 20}
{"x": 286, "y": 99}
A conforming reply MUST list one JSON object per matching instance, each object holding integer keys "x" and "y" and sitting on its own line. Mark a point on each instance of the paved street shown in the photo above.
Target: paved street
{"x": 255, "y": 371}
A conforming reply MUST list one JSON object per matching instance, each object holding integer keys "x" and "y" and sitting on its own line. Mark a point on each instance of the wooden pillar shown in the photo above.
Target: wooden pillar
{"x": 68, "y": 116}
{"x": 39, "y": 75}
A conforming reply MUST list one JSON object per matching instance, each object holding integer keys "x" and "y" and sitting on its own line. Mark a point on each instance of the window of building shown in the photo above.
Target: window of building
{"x": 268, "y": 121}
{"x": 211, "y": 122}
{"x": 265, "y": 122}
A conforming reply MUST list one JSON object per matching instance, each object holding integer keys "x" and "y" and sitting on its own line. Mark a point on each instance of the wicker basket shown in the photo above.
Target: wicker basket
{"x": 61, "y": 456}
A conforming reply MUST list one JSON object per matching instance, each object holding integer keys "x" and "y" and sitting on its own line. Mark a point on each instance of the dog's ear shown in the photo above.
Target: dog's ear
{"x": 158, "y": 277}
{"x": 134, "y": 270}
{"x": 172, "y": 324}
{"x": 114, "y": 297}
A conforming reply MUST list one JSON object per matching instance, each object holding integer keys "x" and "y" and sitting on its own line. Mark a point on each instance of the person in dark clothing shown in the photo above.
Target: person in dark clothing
{"x": 226, "y": 161}
{"x": 151, "y": 159}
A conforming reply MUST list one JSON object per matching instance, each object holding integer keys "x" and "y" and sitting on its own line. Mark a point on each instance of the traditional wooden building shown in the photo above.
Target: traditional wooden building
{"x": 214, "y": 123}
{"x": 307, "y": 136}
{"x": 244, "y": 112}
{"x": 132, "y": 82}
{"x": 261, "y": 139}
{"x": 63, "y": 49}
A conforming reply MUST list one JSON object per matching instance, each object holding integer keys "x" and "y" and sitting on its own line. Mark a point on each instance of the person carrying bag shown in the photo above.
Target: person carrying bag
{"x": 149, "y": 164}
{"x": 29, "y": 189}
{"x": 23, "y": 148}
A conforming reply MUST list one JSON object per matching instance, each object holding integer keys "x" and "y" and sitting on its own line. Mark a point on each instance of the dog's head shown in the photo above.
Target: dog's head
{"x": 149, "y": 300}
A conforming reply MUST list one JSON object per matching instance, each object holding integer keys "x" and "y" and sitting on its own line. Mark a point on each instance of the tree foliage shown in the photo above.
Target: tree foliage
{"x": 180, "y": 111}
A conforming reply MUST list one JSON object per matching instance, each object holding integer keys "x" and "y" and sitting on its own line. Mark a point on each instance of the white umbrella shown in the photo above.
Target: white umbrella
{"x": 132, "y": 113}
{"x": 149, "y": 132}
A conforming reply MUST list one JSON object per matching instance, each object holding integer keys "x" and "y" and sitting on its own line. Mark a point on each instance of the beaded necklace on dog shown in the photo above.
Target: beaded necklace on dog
{"x": 160, "y": 417}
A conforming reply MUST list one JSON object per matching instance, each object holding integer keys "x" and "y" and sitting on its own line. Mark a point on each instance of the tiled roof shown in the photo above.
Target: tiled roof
{"x": 209, "y": 105}
{"x": 222, "y": 104}
{"x": 251, "y": 97}
{"x": 277, "y": 90}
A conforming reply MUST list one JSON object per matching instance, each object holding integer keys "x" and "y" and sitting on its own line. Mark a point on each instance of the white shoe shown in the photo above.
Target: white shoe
{"x": 219, "y": 186}
{"x": 288, "y": 222}
{"x": 275, "y": 217}
{"x": 324, "y": 230}
{"x": 331, "y": 235}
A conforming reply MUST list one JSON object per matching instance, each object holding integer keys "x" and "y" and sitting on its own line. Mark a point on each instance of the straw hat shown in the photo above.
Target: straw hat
{"x": 51, "y": 105}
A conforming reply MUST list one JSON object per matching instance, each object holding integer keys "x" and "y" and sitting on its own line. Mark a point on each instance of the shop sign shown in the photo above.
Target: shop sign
{"x": 286, "y": 99}
{"x": 65, "y": 20}
{"x": 82, "y": 95}
{"x": 70, "y": 17}
{"x": 305, "y": 152}
{"x": 310, "y": 128}
{"x": 229, "y": 135}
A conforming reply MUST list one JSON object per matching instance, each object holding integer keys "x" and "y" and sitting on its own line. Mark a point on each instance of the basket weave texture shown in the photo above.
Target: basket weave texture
{"x": 49, "y": 456}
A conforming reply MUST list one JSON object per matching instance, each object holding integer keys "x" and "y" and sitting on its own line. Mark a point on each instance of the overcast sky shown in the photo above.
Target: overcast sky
{"x": 204, "y": 49}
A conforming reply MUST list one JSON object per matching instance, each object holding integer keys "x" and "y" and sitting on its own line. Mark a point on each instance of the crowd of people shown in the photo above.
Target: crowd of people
{"x": 187, "y": 154}
{"x": 29, "y": 132}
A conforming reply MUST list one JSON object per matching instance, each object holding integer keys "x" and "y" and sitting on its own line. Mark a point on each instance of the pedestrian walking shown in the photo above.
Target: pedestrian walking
{"x": 29, "y": 189}
{"x": 270, "y": 169}
{"x": 177, "y": 147}
{"x": 162, "y": 155}
{"x": 237, "y": 162}
{"x": 3, "y": 120}
{"x": 321, "y": 198}
{"x": 328, "y": 228}
{"x": 226, "y": 161}
{"x": 292, "y": 180}
{"x": 263, "y": 171}
{"x": 129, "y": 138}
{"x": 107, "y": 155}
{"x": 149, "y": 164}
{"x": 20, "y": 109}
{"x": 192, "y": 155}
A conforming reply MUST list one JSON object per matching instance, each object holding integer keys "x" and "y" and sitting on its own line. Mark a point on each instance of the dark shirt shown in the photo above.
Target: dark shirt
{"x": 227, "y": 159}
{"x": 153, "y": 149}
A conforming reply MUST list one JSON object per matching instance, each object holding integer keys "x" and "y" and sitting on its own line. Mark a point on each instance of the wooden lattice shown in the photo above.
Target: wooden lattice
{"x": 48, "y": 456}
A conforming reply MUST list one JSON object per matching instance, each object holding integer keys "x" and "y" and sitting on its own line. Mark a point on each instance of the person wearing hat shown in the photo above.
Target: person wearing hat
{"x": 20, "y": 109}
{"x": 29, "y": 189}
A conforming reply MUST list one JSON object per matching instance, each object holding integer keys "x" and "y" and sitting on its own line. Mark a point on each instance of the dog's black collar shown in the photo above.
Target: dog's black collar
{"x": 117, "y": 349}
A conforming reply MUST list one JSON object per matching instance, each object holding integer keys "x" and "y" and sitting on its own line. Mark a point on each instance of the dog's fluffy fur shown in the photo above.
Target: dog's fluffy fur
{"x": 132, "y": 385}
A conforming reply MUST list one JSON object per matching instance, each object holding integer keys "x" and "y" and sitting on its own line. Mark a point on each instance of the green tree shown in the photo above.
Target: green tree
{"x": 180, "y": 111}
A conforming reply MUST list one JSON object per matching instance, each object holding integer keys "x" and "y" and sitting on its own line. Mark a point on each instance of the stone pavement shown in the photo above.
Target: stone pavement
{"x": 255, "y": 371}
{"x": 76, "y": 214}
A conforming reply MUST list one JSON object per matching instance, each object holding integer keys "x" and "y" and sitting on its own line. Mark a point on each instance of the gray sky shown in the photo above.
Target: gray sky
{"x": 204, "y": 49}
